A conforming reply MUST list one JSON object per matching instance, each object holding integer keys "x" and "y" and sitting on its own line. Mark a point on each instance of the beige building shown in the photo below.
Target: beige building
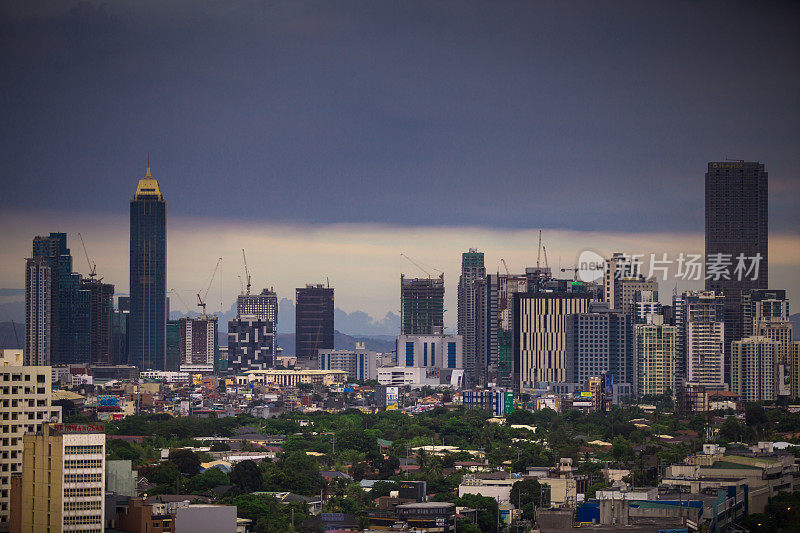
{"x": 63, "y": 479}
{"x": 654, "y": 359}
{"x": 291, "y": 378}
{"x": 11, "y": 357}
{"x": 753, "y": 364}
{"x": 780, "y": 332}
{"x": 25, "y": 398}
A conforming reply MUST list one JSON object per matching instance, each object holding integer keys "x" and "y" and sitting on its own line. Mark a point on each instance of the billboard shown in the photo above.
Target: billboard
{"x": 108, "y": 401}
{"x": 392, "y": 397}
{"x": 508, "y": 402}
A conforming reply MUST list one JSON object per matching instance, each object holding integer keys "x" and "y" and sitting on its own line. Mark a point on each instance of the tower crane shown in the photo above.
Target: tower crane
{"x": 92, "y": 266}
{"x": 176, "y": 293}
{"x": 246, "y": 272}
{"x": 505, "y": 266}
{"x": 416, "y": 264}
{"x": 201, "y": 302}
{"x": 546, "y": 265}
{"x": 539, "y": 254}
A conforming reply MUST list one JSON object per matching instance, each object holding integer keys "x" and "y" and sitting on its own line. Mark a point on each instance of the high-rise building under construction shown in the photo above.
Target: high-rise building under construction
{"x": 421, "y": 305}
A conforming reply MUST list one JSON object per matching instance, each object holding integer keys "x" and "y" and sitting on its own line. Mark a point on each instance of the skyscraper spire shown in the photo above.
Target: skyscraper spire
{"x": 148, "y": 165}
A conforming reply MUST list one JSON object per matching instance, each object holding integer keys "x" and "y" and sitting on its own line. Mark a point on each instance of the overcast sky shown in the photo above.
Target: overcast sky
{"x": 431, "y": 119}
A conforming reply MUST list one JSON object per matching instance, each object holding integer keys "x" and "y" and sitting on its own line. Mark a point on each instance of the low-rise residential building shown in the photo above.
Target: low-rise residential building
{"x": 291, "y": 378}
{"x": 360, "y": 364}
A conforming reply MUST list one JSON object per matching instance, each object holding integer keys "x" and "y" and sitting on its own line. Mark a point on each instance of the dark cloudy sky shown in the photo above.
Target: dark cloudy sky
{"x": 505, "y": 114}
{"x": 592, "y": 116}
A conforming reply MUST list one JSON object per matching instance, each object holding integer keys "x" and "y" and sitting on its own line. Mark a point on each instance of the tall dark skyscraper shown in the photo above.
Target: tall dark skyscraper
{"x": 736, "y": 225}
{"x": 421, "y": 305}
{"x": 101, "y": 307}
{"x": 470, "y": 313}
{"x": 57, "y": 310}
{"x": 313, "y": 323}
{"x": 148, "y": 281}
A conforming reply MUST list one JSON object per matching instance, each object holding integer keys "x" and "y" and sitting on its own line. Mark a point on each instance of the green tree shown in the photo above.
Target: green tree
{"x": 187, "y": 461}
{"x": 246, "y": 476}
{"x": 528, "y": 491}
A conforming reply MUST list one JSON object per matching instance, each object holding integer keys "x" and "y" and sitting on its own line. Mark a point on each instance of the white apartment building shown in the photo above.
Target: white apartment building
{"x": 25, "y": 404}
{"x": 654, "y": 357}
{"x": 360, "y": 364}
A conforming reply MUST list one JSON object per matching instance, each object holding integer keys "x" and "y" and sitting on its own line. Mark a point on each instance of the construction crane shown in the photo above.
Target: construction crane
{"x": 246, "y": 272}
{"x": 201, "y": 302}
{"x": 92, "y": 266}
{"x": 416, "y": 264}
{"x": 173, "y": 291}
{"x": 505, "y": 266}
{"x": 574, "y": 269}
{"x": 539, "y": 253}
{"x": 241, "y": 284}
{"x": 546, "y": 265}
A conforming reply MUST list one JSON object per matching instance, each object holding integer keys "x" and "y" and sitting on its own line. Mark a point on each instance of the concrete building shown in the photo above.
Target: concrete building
{"x": 263, "y": 306}
{"x": 645, "y": 304}
{"x": 470, "y": 313}
{"x": 121, "y": 478}
{"x": 198, "y": 340}
{"x": 313, "y": 322}
{"x": 39, "y": 327}
{"x": 701, "y": 333}
{"x": 291, "y": 378}
{"x": 655, "y": 357}
{"x": 148, "y": 276}
{"x": 26, "y": 401}
{"x": 252, "y": 343}
{"x": 619, "y": 266}
{"x": 763, "y": 305}
{"x": 737, "y": 214}
{"x": 499, "y": 323}
{"x": 417, "y": 377}
{"x": 101, "y": 309}
{"x": 421, "y": 305}
{"x": 205, "y": 517}
{"x": 63, "y": 479}
{"x": 540, "y": 335}
{"x": 11, "y": 357}
{"x": 598, "y": 342}
{"x": 499, "y": 489}
{"x": 360, "y": 364}
{"x": 436, "y": 350}
{"x": 754, "y": 364}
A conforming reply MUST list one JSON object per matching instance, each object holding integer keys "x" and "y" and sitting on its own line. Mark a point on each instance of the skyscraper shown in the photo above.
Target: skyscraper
{"x": 38, "y": 311}
{"x": 198, "y": 341}
{"x": 702, "y": 333}
{"x": 598, "y": 342}
{"x": 540, "y": 334}
{"x": 500, "y": 290}
{"x": 469, "y": 315}
{"x": 736, "y": 227}
{"x": 263, "y": 306}
{"x": 313, "y": 323}
{"x": 67, "y": 338}
{"x": 654, "y": 357}
{"x": 753, "y": 368}
{"x": 148, "y": 276}
{"x": 101, "y": 309}
{"x": 421, "y": 305}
